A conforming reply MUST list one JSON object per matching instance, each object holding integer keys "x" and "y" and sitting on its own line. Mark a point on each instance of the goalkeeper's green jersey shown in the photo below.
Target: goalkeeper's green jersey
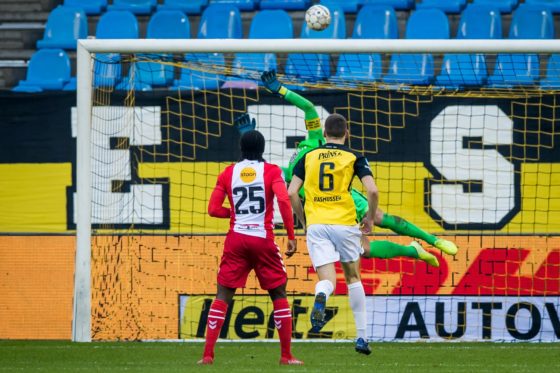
{"x": 313, "y": 140}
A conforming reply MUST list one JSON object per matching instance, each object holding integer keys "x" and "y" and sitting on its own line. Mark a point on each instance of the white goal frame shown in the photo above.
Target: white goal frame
{"x": 81, "y": 318}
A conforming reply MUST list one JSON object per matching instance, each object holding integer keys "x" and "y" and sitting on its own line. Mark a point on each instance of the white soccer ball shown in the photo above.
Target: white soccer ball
{"x": 318, "y": 17}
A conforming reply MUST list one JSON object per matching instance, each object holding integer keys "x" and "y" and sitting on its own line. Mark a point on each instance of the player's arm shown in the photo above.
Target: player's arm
{"x": 293, "y": 190}
{"x": 312, "y": 121}
{"x": 293, "y": 193}
{"x": 216, "y": 208}
{"x": 362, "y": 169}
{"x": 281, "y": 193}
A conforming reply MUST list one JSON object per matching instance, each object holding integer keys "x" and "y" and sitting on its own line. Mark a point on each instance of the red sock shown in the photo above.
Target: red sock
{"x": 283, "y": 322}
{"x": 216, "y": 317}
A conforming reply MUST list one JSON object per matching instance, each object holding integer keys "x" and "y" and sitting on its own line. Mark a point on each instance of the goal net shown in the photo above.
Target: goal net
{"x": 461, "y": 138}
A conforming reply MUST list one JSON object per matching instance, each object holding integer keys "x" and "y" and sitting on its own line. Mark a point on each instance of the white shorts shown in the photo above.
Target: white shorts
{"x": 332, "y": 243}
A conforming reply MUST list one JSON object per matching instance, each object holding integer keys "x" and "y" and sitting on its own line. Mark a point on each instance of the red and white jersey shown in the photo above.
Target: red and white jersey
{"x": 249, "y": 187}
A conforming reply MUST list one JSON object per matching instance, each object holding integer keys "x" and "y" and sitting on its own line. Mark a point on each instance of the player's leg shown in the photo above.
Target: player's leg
{"x": 383, "y": 249}
{"x": 406, "y": 228}
{"x": 348, "y": 245}
{"x": 232, "y": 274}
{"x": 357, "y": 297}
{"x": 323, "y": 256}
{"x": 283, "y": 323}
{"x": 271, "y": 272}
{"x": 216, "y": 317}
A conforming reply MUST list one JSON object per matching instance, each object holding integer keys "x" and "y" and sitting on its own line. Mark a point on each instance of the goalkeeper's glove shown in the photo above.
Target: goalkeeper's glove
{"x": 244, "y": 123}
{"x": 271, "y": 82}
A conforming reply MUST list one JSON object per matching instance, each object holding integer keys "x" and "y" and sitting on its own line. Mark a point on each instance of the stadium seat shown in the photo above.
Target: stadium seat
{"x": 169, "y": 24}
{"x": 240, "y": 4}
{"x": 504, "y": 6}
{"x": 397, "y": 4}
{"x": 266, "y": 24}
{"x": 89, "y": 6}
{"x": 117, "y": 24}
{"x": 373, "y": 22}
{"x": 285, "y": 4}
{"x": 65, "y": 26}
{"x": 347, "y": 6}
{"x": 418, "y": 68}
{"x": 313, "y": 67}
{"x": 552, "y": 5}
{"x": 134, "y": 6}
{"x": 107, "y": 70}
{"x": 48, "y": 69}
{"x": 462, "y": 70}
{"x": 187, "y": 6}
{"x": 552, "y": 79}
{"x": 523, "y": 69}
{"x": 448, "y": 6}
{"x": 164, "y": 24}
{"x": 211, "y": 26}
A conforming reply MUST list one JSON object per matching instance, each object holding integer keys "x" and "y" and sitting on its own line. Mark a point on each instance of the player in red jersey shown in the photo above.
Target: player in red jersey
{"x": 250, "y": 186}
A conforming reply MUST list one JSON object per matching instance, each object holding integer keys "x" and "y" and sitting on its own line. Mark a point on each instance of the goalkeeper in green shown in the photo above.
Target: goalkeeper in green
{"x": 315, "y": 138}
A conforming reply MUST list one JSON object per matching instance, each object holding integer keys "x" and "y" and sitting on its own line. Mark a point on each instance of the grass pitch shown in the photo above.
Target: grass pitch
{"x": 54, "y": 356}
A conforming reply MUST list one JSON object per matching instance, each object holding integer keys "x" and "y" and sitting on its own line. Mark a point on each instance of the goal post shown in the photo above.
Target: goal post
{"x": 529, "y": 225}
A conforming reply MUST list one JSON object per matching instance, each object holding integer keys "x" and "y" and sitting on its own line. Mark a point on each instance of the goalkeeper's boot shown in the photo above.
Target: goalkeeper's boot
{"x": 362, "y": 346}
{"x": 424, "y": 255}
{"x": 206, "y": 360}
{"x": 447, "y": 247}
{"x": 318, "y": 313}
{"x": 290, "y": 361}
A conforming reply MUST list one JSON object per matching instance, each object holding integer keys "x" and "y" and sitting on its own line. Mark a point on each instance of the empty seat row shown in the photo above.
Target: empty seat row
{"x": 372, "y": 22}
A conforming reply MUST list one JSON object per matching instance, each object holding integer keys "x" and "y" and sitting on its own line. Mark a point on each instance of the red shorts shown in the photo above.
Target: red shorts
{"x": 242, "y": 253}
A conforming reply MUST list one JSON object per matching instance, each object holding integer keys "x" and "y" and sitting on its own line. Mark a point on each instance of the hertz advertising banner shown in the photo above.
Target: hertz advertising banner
{"x": 484, "y": 172}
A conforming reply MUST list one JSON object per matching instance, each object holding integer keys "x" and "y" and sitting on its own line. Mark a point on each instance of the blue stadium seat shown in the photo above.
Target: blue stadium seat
{"x": 397, "y": 4}
{"x": 285, "y": 4}
{"x": 48, "y": 69}
{"x": 347, "y": 6}
{"x": 552, "y": 5}
{"x": 134, "y": 6}
{"x": 462, "y": 70}
{"x": 376, "y": 22}
{"x": 65, "y": 26}
{"x": 89, "y": 6}
{"x": 117, "y": 24}
{"x": 107, "y": 70}
{"x": 313, "y": 67}
{"x": 187, "y": 6}
{"x": 211, "y": 26}
{"x": 418, "y": 68}
{"x": 552, "y": 79}
{"x": 523, "y": 69}
{"x": 169, "y": 24}
{"x": 164, "y": 24}
{"x": 448, "y": 6}
{"x": 504, "y": 6}
{"x": 240, "y": 4}
{"x": 373, "y": 22}
{"x": 266, "y": 24}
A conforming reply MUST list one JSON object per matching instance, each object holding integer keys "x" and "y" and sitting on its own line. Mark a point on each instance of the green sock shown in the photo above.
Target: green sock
{"x": 405, "y": 228}
{"x": 388, "y": 249}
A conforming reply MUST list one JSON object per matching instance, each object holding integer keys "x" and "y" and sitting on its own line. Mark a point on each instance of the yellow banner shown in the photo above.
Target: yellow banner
{"x": 251, "y": 317}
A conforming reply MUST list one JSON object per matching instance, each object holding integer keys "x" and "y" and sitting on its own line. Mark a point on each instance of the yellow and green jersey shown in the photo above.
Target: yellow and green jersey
{"x": 327, "y": 173}
{"x": 314, "y": 140}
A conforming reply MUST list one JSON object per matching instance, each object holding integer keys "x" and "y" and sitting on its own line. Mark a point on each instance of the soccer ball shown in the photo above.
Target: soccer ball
{"x": 318, "y": 17}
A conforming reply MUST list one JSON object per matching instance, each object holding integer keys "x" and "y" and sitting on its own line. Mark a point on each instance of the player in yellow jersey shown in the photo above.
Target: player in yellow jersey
{"x": 333, "y": 233}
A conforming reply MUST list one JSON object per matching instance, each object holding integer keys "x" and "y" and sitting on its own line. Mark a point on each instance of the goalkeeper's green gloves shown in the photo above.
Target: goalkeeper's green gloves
{"x": 272, "y": 84}
{"x": 244, "y": 123}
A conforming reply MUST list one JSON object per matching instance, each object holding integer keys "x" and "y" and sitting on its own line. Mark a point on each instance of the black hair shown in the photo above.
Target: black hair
{"x": 252, "y": 146}
{"x": 336, "y": 126}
